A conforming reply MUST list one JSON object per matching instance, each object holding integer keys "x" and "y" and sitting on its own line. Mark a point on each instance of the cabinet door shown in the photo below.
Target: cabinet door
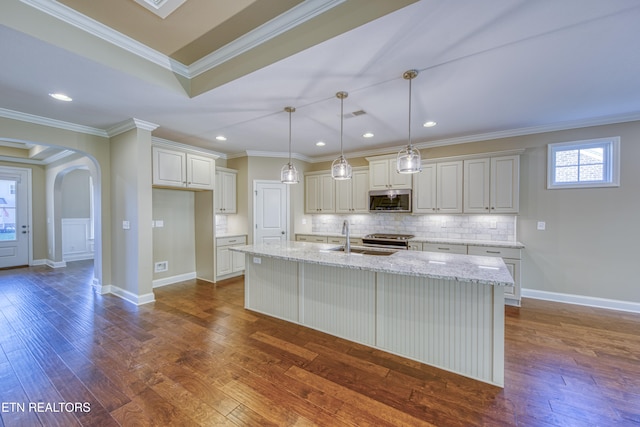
{"x": 312, "y": 194}
{"x": 398, "y": 180}
{"x": 449, "y": 187}
{"x": 344, "y": 196}
{"x": 200, "y": 172}
{"x": 505, "y": 180}
{"x": 237, "y": 261}
{"x": 512, "y": 293}
{"x": 223, "y": 261}
{"x": 476, "y": 186}
{"x": 379, "y": 174}
{"x": 327, "y": 194}
{"x": 169, "y": 167}
{"x": 424, "y": 189}
{"x": 360, "y": 191}
{"x": 225, "y": 199}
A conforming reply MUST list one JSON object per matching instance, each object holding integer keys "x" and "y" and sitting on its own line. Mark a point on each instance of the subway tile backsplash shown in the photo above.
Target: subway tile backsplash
{"x": 499, "y": 228}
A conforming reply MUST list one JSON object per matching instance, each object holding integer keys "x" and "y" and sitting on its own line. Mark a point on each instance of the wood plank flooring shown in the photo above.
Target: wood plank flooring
{"x": 195, "y": 357}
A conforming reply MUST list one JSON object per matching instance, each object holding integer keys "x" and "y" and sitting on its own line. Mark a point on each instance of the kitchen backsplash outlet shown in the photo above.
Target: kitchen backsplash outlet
{"x": 499, "y": 228}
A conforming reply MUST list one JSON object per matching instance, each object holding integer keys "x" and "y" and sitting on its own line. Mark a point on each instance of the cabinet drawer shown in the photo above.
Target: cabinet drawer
{"x": 336, "y": 240}
{"x": 229, "y": 241}
{"x": 493, "y": 251}
{"x": 445, "y": 247}
{"x": 310, "y": 238}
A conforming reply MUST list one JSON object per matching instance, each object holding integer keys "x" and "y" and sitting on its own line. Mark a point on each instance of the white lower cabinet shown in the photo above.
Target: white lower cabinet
{"x": 311, "y": 238}
{"x": 511, "y": 258}
{"x": 228, "y": 262}
{"x": 450, "y": 248}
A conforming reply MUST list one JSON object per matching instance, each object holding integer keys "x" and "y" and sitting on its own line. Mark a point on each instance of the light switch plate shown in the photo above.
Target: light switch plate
{"x": 257, "y": 260}
{"x": 126, "y": 225}
{"x": 542, "y": 225}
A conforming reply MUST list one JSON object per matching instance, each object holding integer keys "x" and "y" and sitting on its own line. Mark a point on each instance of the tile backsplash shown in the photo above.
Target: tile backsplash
{"x": 499, "y": 228}
{"x": 221, "y": 224}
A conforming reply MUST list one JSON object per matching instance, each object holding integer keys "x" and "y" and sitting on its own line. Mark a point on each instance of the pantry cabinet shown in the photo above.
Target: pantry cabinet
{"x": 384, "y": 176}
{"x": 491, "y": 185}
{"x": 180, "y": 169}
{"x": 319, "y": 193}
{"x": 438, "y": 188}
{"x": 352, "y": 194}
{"x": 225, "y": 192}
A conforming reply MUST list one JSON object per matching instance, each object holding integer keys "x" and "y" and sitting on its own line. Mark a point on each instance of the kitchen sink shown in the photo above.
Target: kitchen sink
{"x": 365, "y": 251}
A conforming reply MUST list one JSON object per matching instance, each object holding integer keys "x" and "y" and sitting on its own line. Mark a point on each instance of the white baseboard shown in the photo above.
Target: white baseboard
{"x": 78, "y": 257}
{"x": 38, "y": 262}
{"x": 173, "y": 279}
{"x": 131, "y": 297}
{"x": 611, "y": 304}
{"x": 55, "y": 264}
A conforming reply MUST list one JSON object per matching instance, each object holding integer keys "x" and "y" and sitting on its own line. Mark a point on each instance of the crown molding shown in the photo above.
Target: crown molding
{"x": 272, "y": 154}
{"x": 298, "y": 15}
{"x": 131, "y": 124}
{"x": 44, "y": 121}
{"x": 191, "y": 148}
{"x": 95, "y": 28}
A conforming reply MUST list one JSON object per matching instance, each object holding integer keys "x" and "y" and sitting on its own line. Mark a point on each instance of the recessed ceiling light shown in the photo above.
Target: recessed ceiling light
{"x": 368, "y": 135}
{"x": 320, "y": 144}
{"x": 221, "y": 138}
{"x": 429, "y": 124}
{"x": 60, "y": 97}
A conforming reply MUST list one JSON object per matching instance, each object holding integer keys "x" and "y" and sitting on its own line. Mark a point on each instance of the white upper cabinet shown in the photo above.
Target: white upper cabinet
{"x": 225, "y": 192}
{"x": 438, "y": 188}
{"x": 179, "y": 169}
{"x": 383, "y": 175}
{"x": 491, "y": 185}
{"x": 319, "y": 193}
{"x": 352, "y": 194}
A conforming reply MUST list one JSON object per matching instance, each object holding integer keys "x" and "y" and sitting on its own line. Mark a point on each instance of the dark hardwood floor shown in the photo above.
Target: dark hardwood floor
{"x": 196, "y": 357}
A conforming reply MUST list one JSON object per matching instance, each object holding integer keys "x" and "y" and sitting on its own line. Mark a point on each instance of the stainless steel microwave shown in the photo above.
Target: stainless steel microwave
{"x": 390, "y": 201}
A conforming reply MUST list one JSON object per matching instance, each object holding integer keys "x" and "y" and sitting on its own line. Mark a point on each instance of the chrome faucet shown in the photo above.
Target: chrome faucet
{"x": 346, "y": 232}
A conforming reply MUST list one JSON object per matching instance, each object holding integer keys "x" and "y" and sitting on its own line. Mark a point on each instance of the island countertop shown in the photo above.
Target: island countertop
{"x": 462, "y": 268}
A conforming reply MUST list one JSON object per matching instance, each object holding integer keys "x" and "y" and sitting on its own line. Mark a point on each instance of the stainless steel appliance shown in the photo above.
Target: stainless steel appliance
{"x": 387, "y": 240}
{"x": 390, "y": 201}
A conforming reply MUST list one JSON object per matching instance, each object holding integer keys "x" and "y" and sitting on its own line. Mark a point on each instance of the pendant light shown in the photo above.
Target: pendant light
{"x": 289, "y": 173}
{"x": 409, "y": 160}
{"x": 340, "y": 168}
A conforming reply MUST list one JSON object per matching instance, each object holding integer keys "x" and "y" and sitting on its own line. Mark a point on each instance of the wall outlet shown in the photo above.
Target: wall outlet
{"x": 159, "y": 223}
{"x": 542, "y": 225}
{"x": 160, "y": 266}
{"x": 126, "y": 225}
{"x": 257, "y": 260}
{"x": 443, "y": 224}
{"x": 493, "y": 224}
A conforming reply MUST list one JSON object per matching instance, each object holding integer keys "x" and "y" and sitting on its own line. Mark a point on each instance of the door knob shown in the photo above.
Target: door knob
{"x": 282, "y": 232}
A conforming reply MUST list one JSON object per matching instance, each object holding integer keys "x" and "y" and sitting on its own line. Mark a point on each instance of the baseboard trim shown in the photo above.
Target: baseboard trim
{"x": 131, "y": 297}
{"x": 173, "y": 279}
{"x": 55, "y": 264}
{"x": 610, "y": 304}
{"x": 38, "y": 262}
{"x": 78, "y": 257}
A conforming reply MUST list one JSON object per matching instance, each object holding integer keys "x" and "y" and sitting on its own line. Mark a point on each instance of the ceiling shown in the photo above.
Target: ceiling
{"x": 487, "y": 69}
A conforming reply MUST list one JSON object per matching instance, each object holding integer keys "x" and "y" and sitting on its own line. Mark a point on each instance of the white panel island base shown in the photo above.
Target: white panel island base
{"x": 451, "y": 324}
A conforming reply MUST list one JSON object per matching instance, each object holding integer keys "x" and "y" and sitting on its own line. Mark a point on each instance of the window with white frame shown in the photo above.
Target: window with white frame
{"x": 580, "y": 164}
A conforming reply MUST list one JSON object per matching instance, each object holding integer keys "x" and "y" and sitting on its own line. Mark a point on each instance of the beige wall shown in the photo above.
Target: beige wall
{"x": 76, "y": 201}
{"x": 175, "y": 241}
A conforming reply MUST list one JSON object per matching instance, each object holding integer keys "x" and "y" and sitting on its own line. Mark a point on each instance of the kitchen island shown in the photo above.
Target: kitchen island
{"x": 445, "y": 310}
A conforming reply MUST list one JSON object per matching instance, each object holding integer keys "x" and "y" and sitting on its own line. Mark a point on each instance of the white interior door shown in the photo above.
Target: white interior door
{"x": 14, "y": 217}
{"x": 271, "y": 211}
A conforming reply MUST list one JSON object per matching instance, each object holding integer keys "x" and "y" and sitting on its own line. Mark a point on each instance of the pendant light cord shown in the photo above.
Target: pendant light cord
{"x": 410, "y": 145}
{"x": 341, "y": 124}
{"x": 290, "y": 136}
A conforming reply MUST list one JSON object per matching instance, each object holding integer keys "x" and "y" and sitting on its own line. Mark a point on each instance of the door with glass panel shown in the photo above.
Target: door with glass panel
{"x": 14, "y": 217}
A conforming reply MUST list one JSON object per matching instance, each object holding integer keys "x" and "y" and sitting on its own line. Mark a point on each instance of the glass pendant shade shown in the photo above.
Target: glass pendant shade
{"x": 408, "y": 160}
{"x": 340, "y": 169}
{"x": 289, "y": 173}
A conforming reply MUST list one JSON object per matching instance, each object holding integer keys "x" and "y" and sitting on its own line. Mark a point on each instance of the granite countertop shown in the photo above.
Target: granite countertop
{"x": 462, "y": 268}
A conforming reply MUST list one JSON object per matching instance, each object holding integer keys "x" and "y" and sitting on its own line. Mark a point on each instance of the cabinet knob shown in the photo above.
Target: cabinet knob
{"x": 487, "y": 208}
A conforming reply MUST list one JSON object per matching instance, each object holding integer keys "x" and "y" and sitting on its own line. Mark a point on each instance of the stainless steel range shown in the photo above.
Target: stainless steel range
{"x": 380, "y": 240}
